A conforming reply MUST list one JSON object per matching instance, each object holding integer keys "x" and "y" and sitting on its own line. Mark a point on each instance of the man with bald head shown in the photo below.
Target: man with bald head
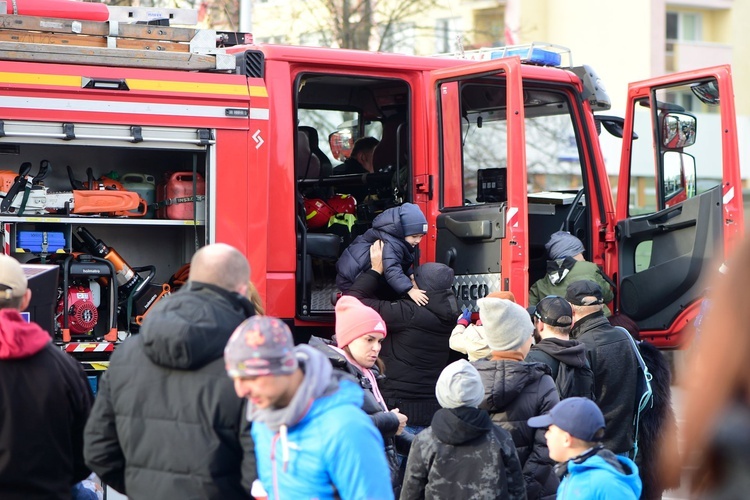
{"x": 166, "y": 422}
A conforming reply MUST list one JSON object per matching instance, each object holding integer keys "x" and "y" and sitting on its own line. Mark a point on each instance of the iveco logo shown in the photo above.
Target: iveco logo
{"x": 91, "y": 271}
{"x": 470, "y": 292}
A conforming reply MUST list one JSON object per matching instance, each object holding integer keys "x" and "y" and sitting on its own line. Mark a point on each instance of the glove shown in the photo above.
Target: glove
{"x": 465, "y": 318}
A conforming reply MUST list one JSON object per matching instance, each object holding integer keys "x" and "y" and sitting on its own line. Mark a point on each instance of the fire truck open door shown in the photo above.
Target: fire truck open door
{"x": 479, "y": 196}
{"x": 679, "y": 203}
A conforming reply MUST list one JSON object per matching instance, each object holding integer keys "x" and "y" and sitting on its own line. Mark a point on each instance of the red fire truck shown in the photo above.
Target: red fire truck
{"x": 499, "y": 149}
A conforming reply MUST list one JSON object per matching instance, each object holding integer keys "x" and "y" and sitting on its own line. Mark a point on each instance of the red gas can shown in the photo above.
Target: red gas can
{"x": 175, "y": 197}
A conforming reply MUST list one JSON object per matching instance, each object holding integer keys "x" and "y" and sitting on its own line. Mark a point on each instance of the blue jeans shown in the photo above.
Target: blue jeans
{"x": 415, "y": 429}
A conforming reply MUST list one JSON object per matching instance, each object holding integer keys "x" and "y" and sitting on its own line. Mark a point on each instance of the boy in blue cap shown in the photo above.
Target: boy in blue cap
{"x": 588, "y": 470}
{"x": 400, "y": 229}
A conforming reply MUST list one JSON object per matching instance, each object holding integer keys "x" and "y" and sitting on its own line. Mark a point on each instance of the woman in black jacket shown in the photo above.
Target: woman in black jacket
{"x": 417, "y": 348}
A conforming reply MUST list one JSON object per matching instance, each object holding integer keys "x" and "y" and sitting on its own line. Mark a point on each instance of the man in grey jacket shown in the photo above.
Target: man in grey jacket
{"x": 166, "y": 422}
{"x": 612, "y": 359}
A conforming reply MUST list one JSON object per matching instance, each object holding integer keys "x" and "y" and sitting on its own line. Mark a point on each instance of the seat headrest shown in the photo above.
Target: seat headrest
{"x": 306, "y": 164}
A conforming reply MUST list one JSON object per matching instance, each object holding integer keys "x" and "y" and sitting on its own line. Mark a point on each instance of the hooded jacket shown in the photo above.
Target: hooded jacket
{"x": 166, "y": 422}
{"x": 322, "y": 444}
{"x": 601, "y": 476}
{"x": 398, "y": 255}
{"x": 514, "y": 392}
{"x": 563, "y": 272}
{"x": 553, "y": 351}
{"x": 463, "y": 455}
{"x": 45, "y": 400}
{"x": 615, "y": 377}
{"x": 470, "y": 340}
{"x": 416, "y": 349}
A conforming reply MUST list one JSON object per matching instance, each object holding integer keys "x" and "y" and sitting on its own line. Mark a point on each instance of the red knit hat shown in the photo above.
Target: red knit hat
{"x": 354, "y": 319}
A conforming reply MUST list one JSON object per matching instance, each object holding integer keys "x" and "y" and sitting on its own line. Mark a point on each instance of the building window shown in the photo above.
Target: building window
{"x": 681, "y": 27}
{"x": 684, "y": 26}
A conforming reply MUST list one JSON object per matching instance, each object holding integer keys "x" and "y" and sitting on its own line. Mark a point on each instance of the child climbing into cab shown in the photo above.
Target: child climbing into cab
{"x": 400, "y": 229}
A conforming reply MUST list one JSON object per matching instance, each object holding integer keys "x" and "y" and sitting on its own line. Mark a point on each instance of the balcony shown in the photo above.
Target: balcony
{"x": 684, "y": 56}
{"x": 701, "y": 4}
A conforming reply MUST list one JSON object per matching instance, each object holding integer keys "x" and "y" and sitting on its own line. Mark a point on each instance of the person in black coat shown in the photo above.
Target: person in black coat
{"x": 166, "y": 422}
{"x": 416, "y": 349}
{"x": 463, "y": 454}
{"x": 553, "y": 319}
{"x": 45, "y": 399}
{"x": 516, "y": 390}
{"x": 612, "y": 359}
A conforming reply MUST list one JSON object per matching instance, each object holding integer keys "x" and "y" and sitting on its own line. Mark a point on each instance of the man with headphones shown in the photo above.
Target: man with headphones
{"x": 166, "y": 422}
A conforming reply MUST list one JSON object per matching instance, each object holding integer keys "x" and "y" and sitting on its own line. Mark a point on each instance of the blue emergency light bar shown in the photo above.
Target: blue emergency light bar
{"x": 531, "y": 55}
{"x": 538, "y": 53}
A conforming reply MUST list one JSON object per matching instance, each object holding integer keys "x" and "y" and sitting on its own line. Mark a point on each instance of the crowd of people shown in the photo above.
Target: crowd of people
{"x": 213, "y": 400}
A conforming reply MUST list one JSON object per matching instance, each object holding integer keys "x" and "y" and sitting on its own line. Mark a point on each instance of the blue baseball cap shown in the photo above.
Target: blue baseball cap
{"x": 579, "y": 417}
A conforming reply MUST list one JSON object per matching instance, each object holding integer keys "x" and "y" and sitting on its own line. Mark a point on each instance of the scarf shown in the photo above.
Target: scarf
{"x": 367, "y": 373}
{"x": 507, "y": 355}
{"x": 316, "y": 383}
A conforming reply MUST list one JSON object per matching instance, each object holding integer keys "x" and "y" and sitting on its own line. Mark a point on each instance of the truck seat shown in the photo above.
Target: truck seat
{"x": 306, "y": 164}
{"x": 326, "y": 168}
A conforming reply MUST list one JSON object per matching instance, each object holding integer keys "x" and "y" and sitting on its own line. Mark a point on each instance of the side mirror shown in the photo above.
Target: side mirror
{"x": 678, "y": 177}
{"x": 707, "y": 92}
{"x": 678, "y": 130}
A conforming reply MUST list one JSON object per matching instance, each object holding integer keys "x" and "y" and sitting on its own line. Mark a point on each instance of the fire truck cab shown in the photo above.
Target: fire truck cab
{"x": 498, "y": 151}
{"x": 502, "y": 152}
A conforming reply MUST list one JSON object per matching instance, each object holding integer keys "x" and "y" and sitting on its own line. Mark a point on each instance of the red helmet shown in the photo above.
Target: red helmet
{"x": 343, "y": 204}
{"x": 317, "y": 213}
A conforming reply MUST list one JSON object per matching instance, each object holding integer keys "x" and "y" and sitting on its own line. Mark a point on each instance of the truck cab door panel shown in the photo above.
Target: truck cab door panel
{"x": 682, "y": 240}
{"x": 469, "y": 242}
{"x": 678, "y": 218}
{"x": 481, "y": 178}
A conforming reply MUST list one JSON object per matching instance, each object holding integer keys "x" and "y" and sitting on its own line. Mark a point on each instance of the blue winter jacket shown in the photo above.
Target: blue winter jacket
{"x": 398, "y": 255}
{"x": 605, "y": 476}
{"x": 334, "y": 449}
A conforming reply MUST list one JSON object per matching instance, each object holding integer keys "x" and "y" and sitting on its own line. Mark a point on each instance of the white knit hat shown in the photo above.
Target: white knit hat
{"x": 459, "y": 385}
{"x": 507, "y": 325}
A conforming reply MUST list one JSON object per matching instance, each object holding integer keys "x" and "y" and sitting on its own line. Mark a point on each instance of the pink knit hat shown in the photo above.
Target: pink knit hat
{"x": 354, "y": 319}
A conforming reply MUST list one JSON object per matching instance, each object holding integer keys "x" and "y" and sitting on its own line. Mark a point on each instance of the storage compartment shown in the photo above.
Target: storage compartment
{"x": 140, "y": 252}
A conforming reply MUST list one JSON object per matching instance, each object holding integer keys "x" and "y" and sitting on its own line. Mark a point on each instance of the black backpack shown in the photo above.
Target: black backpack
{"x": 575, "y": 381}
{"x": 644, "y": 394}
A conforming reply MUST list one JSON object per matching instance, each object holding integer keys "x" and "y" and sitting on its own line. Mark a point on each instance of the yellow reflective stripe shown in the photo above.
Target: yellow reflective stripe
{"x": 138, "y": 84}
{"x": 192, "y": 87}
{"x": 34, "y": 79}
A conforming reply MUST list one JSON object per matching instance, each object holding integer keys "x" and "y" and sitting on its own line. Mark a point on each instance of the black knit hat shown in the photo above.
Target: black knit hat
{"x": 433, "y": 277}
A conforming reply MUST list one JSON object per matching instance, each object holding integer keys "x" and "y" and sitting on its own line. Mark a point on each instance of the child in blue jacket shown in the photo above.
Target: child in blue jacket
{"x": 400, "y": 229}
{"x": 589, "y": 471}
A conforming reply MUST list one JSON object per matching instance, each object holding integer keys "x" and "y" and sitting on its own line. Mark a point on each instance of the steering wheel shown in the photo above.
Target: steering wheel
{"x": 568, "y": 221}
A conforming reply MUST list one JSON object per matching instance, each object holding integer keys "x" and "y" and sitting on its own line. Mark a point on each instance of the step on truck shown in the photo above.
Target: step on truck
{"x": 223, "y": 140}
